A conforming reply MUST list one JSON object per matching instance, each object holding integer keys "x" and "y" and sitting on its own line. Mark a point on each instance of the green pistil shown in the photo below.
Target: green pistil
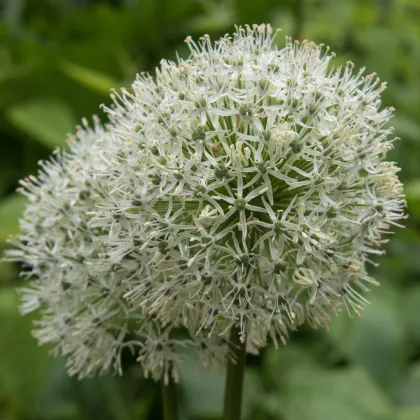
{"x": 240, "y": 204}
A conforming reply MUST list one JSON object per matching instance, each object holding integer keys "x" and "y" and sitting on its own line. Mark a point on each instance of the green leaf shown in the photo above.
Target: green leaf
{"x": 216, "y": 19}
{"x": 279, "y": 362}
{"x": 408, "y": 413}
{"x": 376, "y": 340}
{"x": 61, "y": 410}
{"x": 24, "y": 365}
{"x": 410, "y": 391}
{"x": 412, "y": 191}
{"x": 254, "y": 11}
{"x": 8, "y": 69}
{"x": 407, "y": 128}
{"x": 118, "y": 405}
{"x": 319, "y": 394}
{"x": 323, "y": 22}
{"x": 203, "y": 390}
{"x": 379, "y": 42}
{"x": 411, "y": 301}
{"x": 45, "y": 120}
{"x": 10, "y": 210}
{"x": 91, "y": 79}
{"x": 403, "y": 256}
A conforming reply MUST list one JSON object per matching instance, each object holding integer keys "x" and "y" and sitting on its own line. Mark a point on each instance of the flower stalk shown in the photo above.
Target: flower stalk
{"x": 170, "y": 400}
{"x": 235, "y": 376}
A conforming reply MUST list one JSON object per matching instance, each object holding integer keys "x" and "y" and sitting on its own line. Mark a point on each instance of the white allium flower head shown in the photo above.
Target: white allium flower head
{"x": 244, "y": 186}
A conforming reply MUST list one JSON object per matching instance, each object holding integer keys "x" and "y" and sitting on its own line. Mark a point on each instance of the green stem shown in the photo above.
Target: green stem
{"x": 170, "y": 401}
{"x": 234, "y": 377}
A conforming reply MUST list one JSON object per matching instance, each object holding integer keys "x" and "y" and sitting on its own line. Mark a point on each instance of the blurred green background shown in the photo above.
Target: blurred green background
{"x": 58, "y": 60}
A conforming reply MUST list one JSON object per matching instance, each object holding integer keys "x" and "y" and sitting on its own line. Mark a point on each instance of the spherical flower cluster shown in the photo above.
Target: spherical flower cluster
{"x": 245, "y": 187}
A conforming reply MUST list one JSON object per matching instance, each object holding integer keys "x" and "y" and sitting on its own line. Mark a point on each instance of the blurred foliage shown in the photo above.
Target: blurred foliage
{"x": 58, "y": 61}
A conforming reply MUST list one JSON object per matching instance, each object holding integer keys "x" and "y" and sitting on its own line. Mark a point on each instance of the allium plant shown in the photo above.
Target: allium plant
{"x": 236, "y": 195}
